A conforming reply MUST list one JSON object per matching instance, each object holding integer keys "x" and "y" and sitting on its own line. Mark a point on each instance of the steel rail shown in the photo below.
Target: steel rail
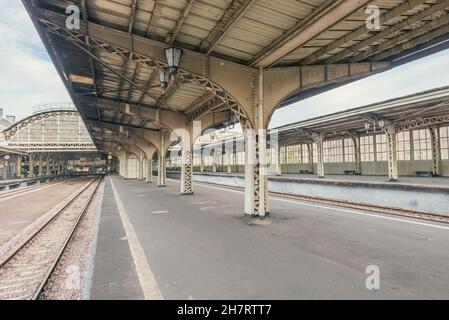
{"x": 66, "y": 242}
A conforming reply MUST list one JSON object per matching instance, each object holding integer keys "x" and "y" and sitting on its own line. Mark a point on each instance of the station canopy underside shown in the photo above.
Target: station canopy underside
{"x": 416, "y": 111}
{"x": 113, "y": 61}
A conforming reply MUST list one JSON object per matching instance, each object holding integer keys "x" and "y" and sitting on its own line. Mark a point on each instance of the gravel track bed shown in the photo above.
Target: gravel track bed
{"x": 71, "y": 278}
{"x": 21, "y": 277}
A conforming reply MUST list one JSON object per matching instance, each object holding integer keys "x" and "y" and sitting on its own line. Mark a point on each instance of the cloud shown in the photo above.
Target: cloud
{"x": 28, "y": 75}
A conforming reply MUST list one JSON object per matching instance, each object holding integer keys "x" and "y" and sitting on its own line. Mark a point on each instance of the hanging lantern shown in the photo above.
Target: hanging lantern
{"x": 173, "y": 59}
{"x": 367, "y": 125}
{"x": 163, "y": 78}
{"x": 382, "y": 124}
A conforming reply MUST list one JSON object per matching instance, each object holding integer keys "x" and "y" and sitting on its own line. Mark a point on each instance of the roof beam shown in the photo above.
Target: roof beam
{"x": 231, "y": 16}
{"x": 397, "y": 12}
{"x": 388, "y": 32}
{"x": 171, "y": 37}
{"x": 324, "y": 17}
{"x": 390, "y": 47}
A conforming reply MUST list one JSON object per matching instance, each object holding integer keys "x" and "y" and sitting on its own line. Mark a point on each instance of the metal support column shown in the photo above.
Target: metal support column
{"x": 149, "y": 178}
{"x": 187, "y": 172}
{"x": 19, "y": 166}
{"x": 256, "y": 173}
{"x": 162, "y": 173}
{"x": 161, "y": 182}
{"x": 436, "y": 155}
{"x": 310, "y": 148}
{"x": 31, "y": 166}
{"x": 277, "y": 151}
{"x": 390, "y": 131}
{"x": 319, "y": 139}
{"x": 39, "y": 174}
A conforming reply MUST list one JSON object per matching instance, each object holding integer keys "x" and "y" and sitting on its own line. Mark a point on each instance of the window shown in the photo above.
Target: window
{"x": 367, "y": 148}
{"x": 333, "y": 151}
{"x": 444, "y": 141}
{"x": 349, "y": 150}
{"x": 305, "y": 153}
{"x": 381, "y": 147}
{"x": 403, "y": 145}
{"x": 422, "y": 144}
{"x": 293, "y": 154}
{"x": 240, "y": 158}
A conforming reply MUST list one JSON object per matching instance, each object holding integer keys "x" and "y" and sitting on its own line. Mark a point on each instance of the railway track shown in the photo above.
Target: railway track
{"x": 346, "y": 204}
{"x": 26, "y": 269}
{"x": 4, "y": 195}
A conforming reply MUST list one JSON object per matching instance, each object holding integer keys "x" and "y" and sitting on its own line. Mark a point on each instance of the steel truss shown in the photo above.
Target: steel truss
{"x": 86, "y": 43}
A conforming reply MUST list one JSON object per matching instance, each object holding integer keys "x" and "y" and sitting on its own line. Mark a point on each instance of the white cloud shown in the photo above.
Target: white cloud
{"x": 28, "y": 76}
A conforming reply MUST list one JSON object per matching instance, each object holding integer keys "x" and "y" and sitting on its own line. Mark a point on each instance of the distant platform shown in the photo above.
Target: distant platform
{"x": 428, "y": 183}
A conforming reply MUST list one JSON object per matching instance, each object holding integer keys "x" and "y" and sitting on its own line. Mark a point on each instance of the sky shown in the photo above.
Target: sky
{"x": 29, "y": 77}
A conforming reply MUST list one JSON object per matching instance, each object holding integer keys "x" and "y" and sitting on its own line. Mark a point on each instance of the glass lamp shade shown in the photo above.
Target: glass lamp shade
{"x": 382, "y": 124}
{"x": 367, "y": 125}
{"x": 173, "y": 59}
{"x": 163, "y": 78}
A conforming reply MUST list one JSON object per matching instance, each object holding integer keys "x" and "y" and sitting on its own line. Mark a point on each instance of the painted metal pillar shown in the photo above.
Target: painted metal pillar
{"x": 31, "y": 166}
{"x": 202, "y": 162}
{"x": 39, "y": 174}
{"x": 357, "y": 154}
{"x": 161, "y": 182}
{"x": 277, "y": 151}
{"x": 310, "y": 148}
{"x": 187, "y": 171}
{"x": 390, "y": 131}
{"x": 319, "y": 139}
{"x": 436, "y": 154}
{"x": 149, "y": 178}
{"x": 19, "y": 166}
{"x": 162, "y": 173}
{"x": 141, "y": 166}
{"x": 215, "y": 160}
{"x": 256, "y": 171}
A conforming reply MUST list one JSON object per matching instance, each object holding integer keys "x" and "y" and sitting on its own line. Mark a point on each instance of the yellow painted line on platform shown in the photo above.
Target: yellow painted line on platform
{"x": 437, "y": 226}
{"x": 148, "y": 282}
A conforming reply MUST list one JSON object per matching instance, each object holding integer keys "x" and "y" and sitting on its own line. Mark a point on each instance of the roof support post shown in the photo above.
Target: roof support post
{"x": 149, "y": 177}
{"x": 162, "y": 172}
{"x": 39, "y": 174}
{"x": 436, "y": 155}
{"x": 277, "y": 151}
{"x": 19, "y": 166}
{"x": 256, "y": 173}
{"x": 357, "y": 152}
{"x": 31, "y": 167}
{"x": 201, "y": 161}
{"x": 390, "y": 131}
{"x": 319, "y": 139}
{"x": 310, "y": 148}
{"x": 187, "y": 164}
{"x": 141, "y": 160}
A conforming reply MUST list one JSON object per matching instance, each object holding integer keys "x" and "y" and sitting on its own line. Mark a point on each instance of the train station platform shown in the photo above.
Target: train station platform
{"x": 412, "y": 194}
{"x": 154, "y": 243}
{"x": 440, "y": 183}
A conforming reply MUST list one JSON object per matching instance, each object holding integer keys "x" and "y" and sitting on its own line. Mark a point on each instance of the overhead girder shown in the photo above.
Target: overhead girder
{"x": 217, "y": 75}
